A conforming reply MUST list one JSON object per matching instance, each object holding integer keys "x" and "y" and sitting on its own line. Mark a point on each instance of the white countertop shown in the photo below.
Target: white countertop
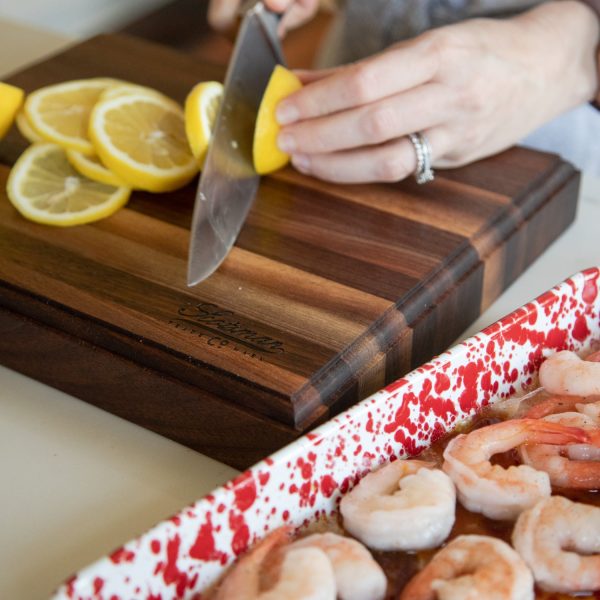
{"x": 78, "y": 482}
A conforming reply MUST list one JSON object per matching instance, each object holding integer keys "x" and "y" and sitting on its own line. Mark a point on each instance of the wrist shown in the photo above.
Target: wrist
{"x": 594, "y": 6}
{"x": 570, "y": 31}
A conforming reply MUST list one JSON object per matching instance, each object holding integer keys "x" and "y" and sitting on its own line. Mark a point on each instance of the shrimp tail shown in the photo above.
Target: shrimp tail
{"x": 545, "y": 432}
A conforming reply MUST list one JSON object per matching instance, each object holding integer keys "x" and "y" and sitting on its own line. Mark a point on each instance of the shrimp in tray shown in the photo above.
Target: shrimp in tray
{"x": 566, "y": 373}
{"x": 357, "y": 575}
{"x": 492, "y": 490}
{"x": 576, "y": 466}
{"x": 472, "y": 567}
{"x": 317, "y": 567}
{"x": 404, "y": 505}
{"x": 559, "y": 404}
{"x": 560, "y": 541}
{"x": 302, "y": 573}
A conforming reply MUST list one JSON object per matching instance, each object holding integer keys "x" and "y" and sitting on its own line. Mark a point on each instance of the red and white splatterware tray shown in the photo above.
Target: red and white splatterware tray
{"x": 181, "y": 557}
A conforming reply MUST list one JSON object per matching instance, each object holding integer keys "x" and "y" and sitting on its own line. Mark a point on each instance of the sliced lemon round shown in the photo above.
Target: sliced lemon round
{"x": 44, "y": 187}
{"x": 142, "y": 139}
{"x": 201, "y": 109}
{"x": 266, "y": 154}
{"x": 92, "y": 168}
{"x": 60, "y": 113}
{"x": 11, "y": 99}
{"x": 25, "y": 128}
{"x": 126, "y": 88}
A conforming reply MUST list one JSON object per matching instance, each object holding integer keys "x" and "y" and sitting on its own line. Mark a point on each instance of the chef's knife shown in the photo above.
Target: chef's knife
{"x": 228, "y": 182}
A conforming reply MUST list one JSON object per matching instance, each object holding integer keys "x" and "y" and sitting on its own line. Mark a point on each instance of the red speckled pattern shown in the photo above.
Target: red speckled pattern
{"x": 184, "y": 555}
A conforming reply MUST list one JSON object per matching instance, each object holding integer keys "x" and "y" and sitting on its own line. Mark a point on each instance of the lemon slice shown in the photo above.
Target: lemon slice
{"x": 266, "y": 154}
{"x": 141, "y": 138}
{"x": 60, "y": 113}
{"x": 125, "y": 89}
{"x": 93, "y": 169}
{"x": 44, "y": 187}
{"x": 25, "y": 128}
{"x": 11, "y": 99}
{"x": 201, "y": 110}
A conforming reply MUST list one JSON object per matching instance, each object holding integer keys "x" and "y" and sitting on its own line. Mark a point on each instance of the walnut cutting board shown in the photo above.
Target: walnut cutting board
{"x": 330, "y": 291}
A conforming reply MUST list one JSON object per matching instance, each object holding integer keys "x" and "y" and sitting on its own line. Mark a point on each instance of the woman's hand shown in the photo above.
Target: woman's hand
{"x": 222, "y": 14}
{"x": 473, "y": 89}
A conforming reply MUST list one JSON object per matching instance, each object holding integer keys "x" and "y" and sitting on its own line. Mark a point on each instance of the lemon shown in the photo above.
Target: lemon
{"x": 266, "y": 154}
{"x": 44, "y": 187}
{"x": 25, "y": 128}
{"x": 141, "y": 138}
{"x": 126, "y": 88}
{"x": 11, "y": 99}
{"x": 201, "y": 109}
{"x": 60, "y": 113}
{"x": 93, "y": 169}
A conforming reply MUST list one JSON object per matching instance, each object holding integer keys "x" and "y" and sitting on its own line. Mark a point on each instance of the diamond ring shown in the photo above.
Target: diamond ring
{"x": 423, "y": 172}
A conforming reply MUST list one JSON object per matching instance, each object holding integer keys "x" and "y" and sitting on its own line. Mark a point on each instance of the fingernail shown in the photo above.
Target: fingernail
{"x": 286, "y": 113}
{"x": 286, "y": 143}
{"x": 301, "y": 162}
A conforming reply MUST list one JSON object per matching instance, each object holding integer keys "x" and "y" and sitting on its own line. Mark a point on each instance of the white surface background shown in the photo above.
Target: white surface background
{"x": 76, "y": 18}
{"x": 77, "y": 482}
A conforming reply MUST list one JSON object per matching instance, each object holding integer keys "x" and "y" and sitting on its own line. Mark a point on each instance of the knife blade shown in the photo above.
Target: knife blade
{"x": 228, "y": 182}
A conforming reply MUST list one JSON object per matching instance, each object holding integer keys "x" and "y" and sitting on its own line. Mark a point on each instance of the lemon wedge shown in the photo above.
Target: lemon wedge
{"x": 93, "y": 169}
{"x": 44, "y": 187}
{"x": 141, "y": 138}
{"x": 266, "y": 154}
{"x": 11, "y": 99}
{"x": 201, "y": 109}
{"x": 60, "y": 113}
{"x": 25, "y": 128}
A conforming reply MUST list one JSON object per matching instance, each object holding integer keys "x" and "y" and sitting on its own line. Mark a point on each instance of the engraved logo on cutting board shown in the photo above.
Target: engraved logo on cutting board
{"x": 221, "y": 329}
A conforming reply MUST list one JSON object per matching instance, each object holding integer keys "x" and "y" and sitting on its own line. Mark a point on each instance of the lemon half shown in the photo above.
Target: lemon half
{"x": 266, "y": 154}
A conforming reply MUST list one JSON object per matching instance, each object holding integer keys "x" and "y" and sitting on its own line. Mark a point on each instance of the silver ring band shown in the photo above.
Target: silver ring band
{"x": 423, "y": 172}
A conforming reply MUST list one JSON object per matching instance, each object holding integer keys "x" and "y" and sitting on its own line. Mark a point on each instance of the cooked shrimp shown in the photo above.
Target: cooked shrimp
{"x": 497, "y": 492}
{"x": 594, "y": 356}
{"x": 472, "y": 567}
{"x": 590, "y": 409}
{"x": 304, "y": 573}
{"x": 566, "y": 373}
{"x": 558, "y": 404}
{"x": 575, "y": 466}
{"x": 357, "y": 575}
{"x": 405, "y": 505}
{"x": 560, "y": 541}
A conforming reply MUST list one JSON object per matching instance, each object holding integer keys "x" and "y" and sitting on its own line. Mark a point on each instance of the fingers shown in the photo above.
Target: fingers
{"x": 222, "y": 13}
{"x": 295, "y": 13}
{"x": 417, "y": 109}
{"x": 401, "y": 68}
{"x": 310, "y": 76}
{"x": 392, "y": 161}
